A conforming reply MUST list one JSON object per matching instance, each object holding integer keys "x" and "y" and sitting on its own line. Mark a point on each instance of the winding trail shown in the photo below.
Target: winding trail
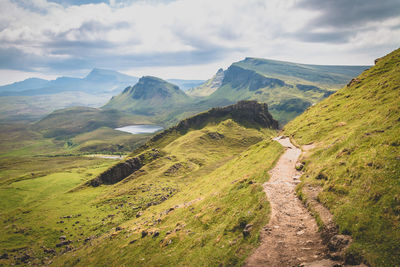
{"x": 291, "y": 238}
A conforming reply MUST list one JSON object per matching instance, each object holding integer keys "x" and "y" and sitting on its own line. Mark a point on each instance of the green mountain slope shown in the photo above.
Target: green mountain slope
{"x": 288, "y": 88}
{"x": 151, "y": 96}
{"x": 356, "y": 159}
{"x": 324, "y": 75}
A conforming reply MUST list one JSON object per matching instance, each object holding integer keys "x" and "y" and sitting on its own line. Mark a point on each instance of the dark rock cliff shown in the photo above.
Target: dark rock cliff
{"x": 122, "y": 170}
{"x": 245, "y": 112}
{"x": 239, "y": 77}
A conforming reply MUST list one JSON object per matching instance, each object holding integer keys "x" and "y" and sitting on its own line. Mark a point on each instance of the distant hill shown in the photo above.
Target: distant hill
{"x": 66, "y": 123}
{"x": 151, "y": 96}
{"x": 353, "y": 167}
{"x": 28, "y": 84}
{"x": 288, "y": 88}
{"x": 97, "y": 81}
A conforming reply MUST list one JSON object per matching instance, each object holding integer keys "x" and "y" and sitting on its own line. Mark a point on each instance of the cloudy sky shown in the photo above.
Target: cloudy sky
{"x": 188, "y": 38}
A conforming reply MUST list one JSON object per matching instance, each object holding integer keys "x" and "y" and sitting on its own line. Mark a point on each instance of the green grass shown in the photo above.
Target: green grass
{"x": 356, "y": 133}
{"x": 216, "y": 196}
{"x": 215, "y": 191}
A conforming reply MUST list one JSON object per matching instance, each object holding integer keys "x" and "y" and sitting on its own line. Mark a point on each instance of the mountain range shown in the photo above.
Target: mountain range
{"x": 202, "y": 192}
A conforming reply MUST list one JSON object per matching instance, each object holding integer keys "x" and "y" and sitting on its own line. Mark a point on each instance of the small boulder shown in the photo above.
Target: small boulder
{"x": 144, "y": 233}
{"x": 338, "y": 242}
{"x": 247, "y": 229}
{"x": 299, "y": 166}
{"x": 63, "y": 243}
{"x": 4, "y": 256}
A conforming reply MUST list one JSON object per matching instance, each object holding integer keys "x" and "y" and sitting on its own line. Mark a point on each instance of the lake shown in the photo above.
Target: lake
{"x": 140, "y": 128}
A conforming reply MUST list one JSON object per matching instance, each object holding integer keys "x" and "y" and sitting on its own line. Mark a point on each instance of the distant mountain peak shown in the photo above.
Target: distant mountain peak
{"x": 147, "y": 95}
{"x": 150, "y": 87}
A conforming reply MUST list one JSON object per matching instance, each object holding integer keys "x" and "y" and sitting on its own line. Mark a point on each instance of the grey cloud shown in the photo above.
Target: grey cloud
{"x": 350, "y": 13}
{"x": 339, "y": 20}
{"x": 325, "y": 37}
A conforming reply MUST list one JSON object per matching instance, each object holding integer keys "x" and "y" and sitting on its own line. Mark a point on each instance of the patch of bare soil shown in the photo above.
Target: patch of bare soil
{"x": 291, "y": 238}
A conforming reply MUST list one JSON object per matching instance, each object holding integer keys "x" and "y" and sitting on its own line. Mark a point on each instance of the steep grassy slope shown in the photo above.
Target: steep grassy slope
{"x": 288, "y": 88}
{"x": 356, "y": 159}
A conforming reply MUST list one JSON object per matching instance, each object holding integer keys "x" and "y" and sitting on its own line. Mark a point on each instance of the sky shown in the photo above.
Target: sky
{"x": 188, "y": 39}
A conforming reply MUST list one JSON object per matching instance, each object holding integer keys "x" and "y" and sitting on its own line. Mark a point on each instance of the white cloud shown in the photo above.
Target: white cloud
{"x": 182, "y": 37}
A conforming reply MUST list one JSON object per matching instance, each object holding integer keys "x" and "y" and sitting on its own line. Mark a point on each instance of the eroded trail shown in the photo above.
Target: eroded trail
{"x": 291, "y": 238}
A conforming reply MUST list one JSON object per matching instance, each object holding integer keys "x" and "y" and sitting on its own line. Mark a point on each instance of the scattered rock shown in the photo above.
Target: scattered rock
{"x": 24, "y": 258}
{"x": 144, "y": 233}
{"x": 338, "y": 242}
{"x": 299, "y": 166}
{"x": 118, "y": 228}
{"x": 215, "y": 135}
{"x": 133, "y": 241}
{"x": 4, "y": 256}
{"x": 321, "y": 176}
{"x": 63, "y": 237}
{"x": 138, "y": 214}
{"x": 63, "y": 243}
{"x": 353, "y": 81}
{"x": 156, "y": 233}
{"x": 247, "y": 229}
{"x": 49, "y": 251}
{"x": 300, "y": 232}
{"x": 352, "y": 258}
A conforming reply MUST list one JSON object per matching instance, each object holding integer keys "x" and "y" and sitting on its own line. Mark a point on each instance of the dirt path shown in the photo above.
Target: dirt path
{"x": 291, "y": 238}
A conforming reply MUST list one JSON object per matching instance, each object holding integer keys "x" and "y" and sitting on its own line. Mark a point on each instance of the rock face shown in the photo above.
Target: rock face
{"x": 246, "y": 112}
{"x": 239, "y": 77}
{"x": 122, "y": 170}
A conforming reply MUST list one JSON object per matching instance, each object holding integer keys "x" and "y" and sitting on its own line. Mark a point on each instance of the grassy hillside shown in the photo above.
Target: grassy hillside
{"x": 356, "y": 134}
{"x": 188, "y": 207}
{"x": 66, "y": 123}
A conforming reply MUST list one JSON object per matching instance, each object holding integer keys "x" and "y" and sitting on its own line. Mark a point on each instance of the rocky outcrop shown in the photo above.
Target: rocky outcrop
{"x": 245, "y": 112}
{"x": 239, "y": 78}
{"x": 122, "y": 170}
